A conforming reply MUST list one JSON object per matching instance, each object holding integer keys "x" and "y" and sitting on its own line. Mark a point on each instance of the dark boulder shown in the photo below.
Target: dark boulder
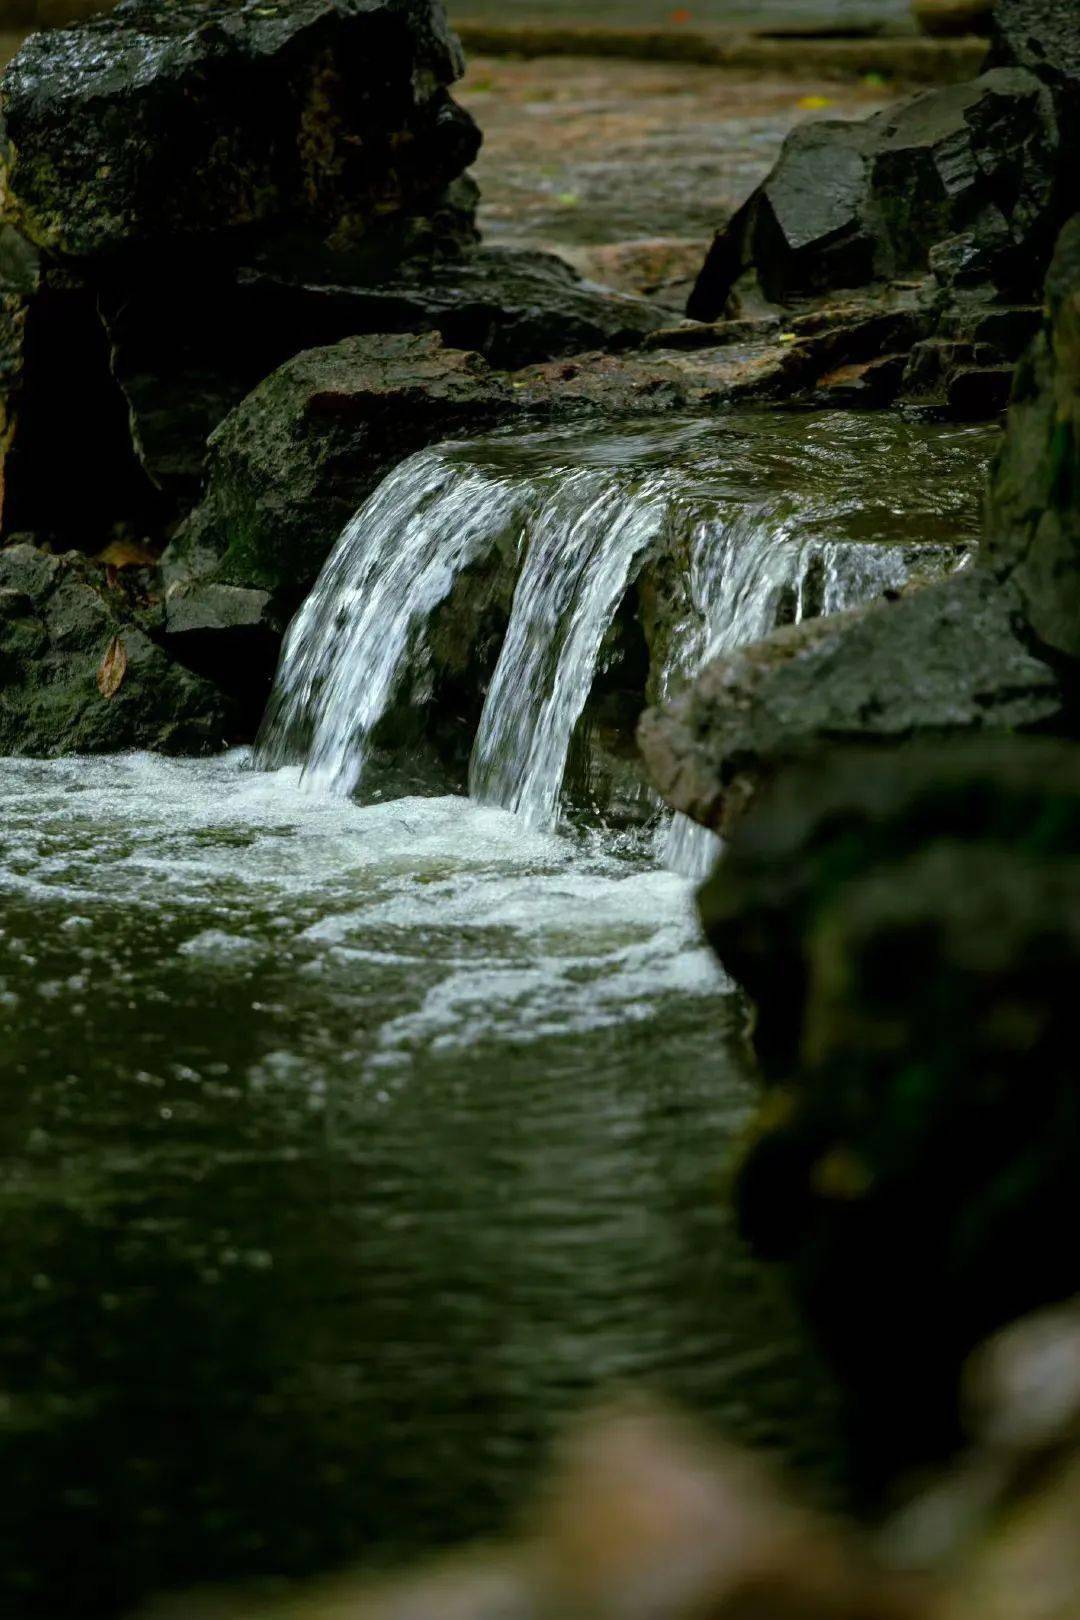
{"x": 853, "y": 203}
{"x": 803, "y": 230}
{"x": 160, "y": 123}
{"x": 516, "y": 307}
{"x": 1033, "y": 516}
{"x": 908, "y": 924}
{"x": 1041, "y": 35}
{"x": 80, "y": 670}
{"x": 958, "y": 193}
{"x": 944, "y": 659}
{"x": 150, "y": 158}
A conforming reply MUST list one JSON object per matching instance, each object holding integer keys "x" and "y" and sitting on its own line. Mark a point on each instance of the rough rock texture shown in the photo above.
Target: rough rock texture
{"x": 79, "y": 672}
{"x": 994, "y": 648}
{"x": 326, "y": 113}
{"x": 908, "y": 924}
{"x": 150, "y": 159}
{"x": 1042, "y": 35}
{"x": 293, "y": 462}
{"x": 181, "y": 377}
{"x": 310, "y": 188}
{"x": 291, "y": 465}
{"x": 944, "y": 659}
{"x": 516, "y": 307}
{"x": 963, "y": 189}
{"x": 852, "y": 203}
{"x": 1033, "y": 519}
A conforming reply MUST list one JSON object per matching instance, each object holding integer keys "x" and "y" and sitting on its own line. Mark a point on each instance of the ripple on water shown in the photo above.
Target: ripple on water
{"x": 358, "y": 1144}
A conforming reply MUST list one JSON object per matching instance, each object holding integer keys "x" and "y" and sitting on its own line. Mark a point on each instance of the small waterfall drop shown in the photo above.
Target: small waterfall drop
{"x": 726, "y": 528}
{"x": 581, "y": 551}
{"x": 746, "y": 576}
{"x": 395, "y": 562}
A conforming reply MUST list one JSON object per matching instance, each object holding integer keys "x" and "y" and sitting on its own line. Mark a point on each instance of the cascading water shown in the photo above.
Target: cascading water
{"x": 732, "y": 526}
{"x": 394, "y": 563}
{"x": 744, "y": 576}
{"x": 582, "y": 548}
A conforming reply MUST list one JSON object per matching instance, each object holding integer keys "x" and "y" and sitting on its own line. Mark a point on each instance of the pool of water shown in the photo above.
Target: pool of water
{"x": 346, "y": 1150}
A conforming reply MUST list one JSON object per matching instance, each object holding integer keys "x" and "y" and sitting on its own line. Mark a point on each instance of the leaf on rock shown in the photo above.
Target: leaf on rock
{"x": 113, "y": 668}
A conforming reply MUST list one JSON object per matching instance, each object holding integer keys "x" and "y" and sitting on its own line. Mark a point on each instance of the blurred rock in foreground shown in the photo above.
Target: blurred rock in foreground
{"x": 644, "y": 1517}
{"x": 908, "y": 926}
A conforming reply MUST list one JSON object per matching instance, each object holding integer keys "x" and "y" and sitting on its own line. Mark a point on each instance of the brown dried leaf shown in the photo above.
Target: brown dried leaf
{"x": 113, "y": 668}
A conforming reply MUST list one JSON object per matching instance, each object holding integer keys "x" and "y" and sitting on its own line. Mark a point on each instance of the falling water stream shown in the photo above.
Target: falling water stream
{"x": 743, "y": 528}
{"x": 352, "y": 1141}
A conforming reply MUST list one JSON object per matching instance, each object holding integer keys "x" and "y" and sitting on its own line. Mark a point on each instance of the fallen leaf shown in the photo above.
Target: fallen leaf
{"x": 113, "y": 668}
{"x": 569, "y": 199}
{"x": 814, "y": 103}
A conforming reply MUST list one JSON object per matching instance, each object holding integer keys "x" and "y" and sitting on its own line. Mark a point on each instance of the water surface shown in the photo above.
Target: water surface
{"x": 345, "y": 1150}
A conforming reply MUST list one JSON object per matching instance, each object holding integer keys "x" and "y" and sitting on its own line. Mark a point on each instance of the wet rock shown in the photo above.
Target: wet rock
{"x": 662, "y": 269}
{"x": 295, "y": 460}
{"x": 853, "y": 203}
{"x": 908, "y": 924}
{"x": 944, "y": 659}
{"x": 1033, "y": 517}
{"x": 1039, "y": 35}
{"x": 957, "y": 193}
{"x": 321, "y": 132}
{"x": 314, "y": 113}
{"x": 80, "y": 671}
{"x": 514, "y": 306}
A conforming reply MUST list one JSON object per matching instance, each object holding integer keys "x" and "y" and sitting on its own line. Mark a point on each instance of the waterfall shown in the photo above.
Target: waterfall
{"x": 746, "y": 575}
{"x": 575, "y": 534}
{"x": 581, "y": 551}
{"x": 394, "y": 563}
{"x": 731, "y": 535}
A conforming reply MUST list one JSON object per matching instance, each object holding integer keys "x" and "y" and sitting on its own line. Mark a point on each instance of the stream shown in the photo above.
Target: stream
{"x": 351, "y": 1144}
